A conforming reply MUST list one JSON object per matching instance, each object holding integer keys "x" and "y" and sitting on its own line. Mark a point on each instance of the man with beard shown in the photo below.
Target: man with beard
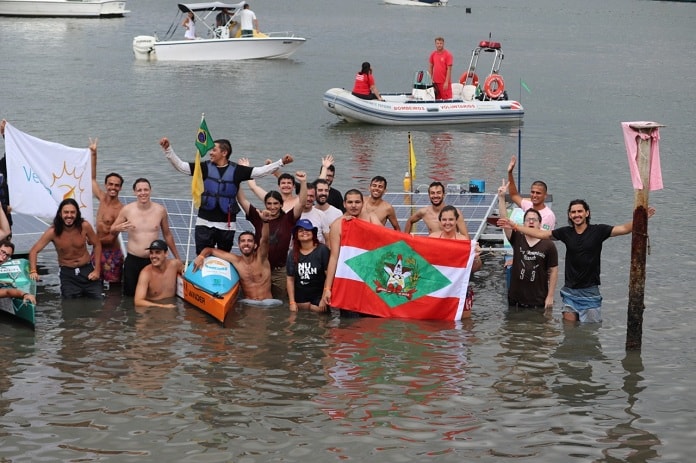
{"x": 157, "y": 281}
{"x": 430, "y": 214}
{"x": 109, "y": 208}
{"x": 252, "y": 265}
{"x": 328, "y": 173}
{"x": 316, "y": 216}
{"x": 322, "y": 201}
{"x": 70, "y": 234}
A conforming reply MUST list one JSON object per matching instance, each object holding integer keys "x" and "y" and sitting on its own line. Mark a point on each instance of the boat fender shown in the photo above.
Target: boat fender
{"x": 465, "y": 76}
{"x": 494, "y": 86}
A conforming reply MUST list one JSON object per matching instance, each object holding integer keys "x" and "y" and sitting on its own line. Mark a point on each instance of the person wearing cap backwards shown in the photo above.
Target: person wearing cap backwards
{"x": 306, "y": 268}
{"x": 157, "y": 280}
{"x": 253, "y": 266}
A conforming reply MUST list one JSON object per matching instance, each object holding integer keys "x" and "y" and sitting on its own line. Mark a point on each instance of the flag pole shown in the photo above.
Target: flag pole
{"x": 188, "y": 240}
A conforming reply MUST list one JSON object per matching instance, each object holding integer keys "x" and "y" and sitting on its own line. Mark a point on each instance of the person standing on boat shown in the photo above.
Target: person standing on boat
{"x": 157, "y": 280}
{"x": 143, "y": 220}
{"x": 252, "y": 265}
{"x": 109, "y": 208}
{"x": 217, "y": 216}
{"x": 431, "y": 214}
{"x": 306, "y": 268}
{"x": 189, "y": 24}
{"x": 247, "y": 20}
{"x": 364, "y": 86}
{"x": 534, "y": 262}
{"x": 448, "y": 218}
{"x": 580, "y": 293}
{"x": 441, "y": 62}
{"x": 70, "y": 234}
{"x": 537, "y": 198}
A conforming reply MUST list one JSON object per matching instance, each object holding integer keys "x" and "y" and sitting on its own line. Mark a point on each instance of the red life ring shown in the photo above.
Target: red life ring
{"x": 474, "y": 77}
{"x": 494, "y": 86}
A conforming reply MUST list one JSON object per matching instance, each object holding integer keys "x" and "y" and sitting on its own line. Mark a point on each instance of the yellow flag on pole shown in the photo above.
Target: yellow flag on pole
{"x": 411, "y": 160}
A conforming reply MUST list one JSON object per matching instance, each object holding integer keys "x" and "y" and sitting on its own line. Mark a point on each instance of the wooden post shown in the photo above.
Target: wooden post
{"x": 639, "y": 239}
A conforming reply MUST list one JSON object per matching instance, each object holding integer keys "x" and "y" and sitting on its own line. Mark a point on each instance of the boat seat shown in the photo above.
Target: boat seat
{"x": 457, "y": 90}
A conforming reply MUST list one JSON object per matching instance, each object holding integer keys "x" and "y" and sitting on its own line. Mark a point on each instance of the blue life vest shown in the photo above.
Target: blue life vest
{"x": 219, "y": 191}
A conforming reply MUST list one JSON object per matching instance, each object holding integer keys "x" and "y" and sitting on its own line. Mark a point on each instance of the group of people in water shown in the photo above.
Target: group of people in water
{"x": 292, "y": 252}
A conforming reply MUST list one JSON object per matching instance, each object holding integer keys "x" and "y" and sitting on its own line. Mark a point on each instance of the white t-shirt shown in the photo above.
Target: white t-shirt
{"x": 548, "y": 218}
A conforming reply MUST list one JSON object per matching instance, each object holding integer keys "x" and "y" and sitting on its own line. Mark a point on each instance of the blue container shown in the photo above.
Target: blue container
{"x": 477, "y": 186}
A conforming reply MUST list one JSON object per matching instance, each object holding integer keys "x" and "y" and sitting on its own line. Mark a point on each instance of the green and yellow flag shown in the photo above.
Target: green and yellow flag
{"x": 204, "y": 143}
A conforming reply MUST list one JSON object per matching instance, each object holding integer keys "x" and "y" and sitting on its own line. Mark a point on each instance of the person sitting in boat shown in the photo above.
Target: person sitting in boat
{"x": 189, "y": 24}
{"x": 252, "y": 265}
{"x": 7, "y": 248}
{"x": 364, "y": 86}
{"x": 306, "y": 268}
{"x": 157, "y": 280}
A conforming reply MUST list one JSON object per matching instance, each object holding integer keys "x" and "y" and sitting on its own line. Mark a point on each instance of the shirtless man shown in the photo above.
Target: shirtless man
{"x": 252, "y": 266}
{"x": 378, "y": 207}
{"x": 143, "y": 220}
{"x": 70, "y": 234}
{"x": 430, "y": 214}
{"x": 157, "y": 281}
{"x": 286, "y": 187}
{"x": 109, "y": 208}
{"x": 353, "y": 202}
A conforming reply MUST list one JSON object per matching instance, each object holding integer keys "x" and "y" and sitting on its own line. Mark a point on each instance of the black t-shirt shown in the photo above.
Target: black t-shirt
{"x": 336, "y": 199}
{"x": 583, "y": 254}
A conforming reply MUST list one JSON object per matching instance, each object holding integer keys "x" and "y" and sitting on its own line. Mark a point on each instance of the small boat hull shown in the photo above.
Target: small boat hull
{"x": 417, "y": 2}
{"x": 402, "y": 109}
{"x": 213, "y": 288}
{"x": 15, "y": 274}
{"x": 63, "y": 8}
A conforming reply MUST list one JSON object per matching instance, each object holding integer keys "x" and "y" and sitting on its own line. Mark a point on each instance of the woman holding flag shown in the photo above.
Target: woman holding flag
{"x": 220, "y": 179}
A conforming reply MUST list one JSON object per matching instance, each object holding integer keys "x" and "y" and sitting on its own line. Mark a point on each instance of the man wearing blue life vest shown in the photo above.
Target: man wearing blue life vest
{"x": 217, "y": 216}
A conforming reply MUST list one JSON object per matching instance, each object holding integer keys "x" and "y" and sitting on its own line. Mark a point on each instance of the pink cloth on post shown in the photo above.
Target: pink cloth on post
{"x": 631, "y": 139}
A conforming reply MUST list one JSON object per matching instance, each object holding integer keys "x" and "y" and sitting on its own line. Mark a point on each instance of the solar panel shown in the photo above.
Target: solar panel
{"x": 475, "y": 208}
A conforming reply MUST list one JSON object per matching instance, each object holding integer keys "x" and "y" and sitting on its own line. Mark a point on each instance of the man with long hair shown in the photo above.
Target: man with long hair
{"x": 70, "y": 234}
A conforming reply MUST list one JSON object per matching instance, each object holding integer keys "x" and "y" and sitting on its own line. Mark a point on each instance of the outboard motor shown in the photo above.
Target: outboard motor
{"x": 144, "y": 47}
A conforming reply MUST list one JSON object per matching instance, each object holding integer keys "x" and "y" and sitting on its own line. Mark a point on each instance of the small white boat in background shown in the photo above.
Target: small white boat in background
{"x": 64, "y": 8}
{"x": 417, "y": 2}
{"x": 221, "y": 42}
{"x": 470, "y": 102}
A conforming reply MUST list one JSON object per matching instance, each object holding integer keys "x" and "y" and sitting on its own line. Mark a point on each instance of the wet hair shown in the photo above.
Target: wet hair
{"x": 285, "y": 176}
{"x": 434, "y": 184}
{"x": 541, "y": 184}
{"x": 584, "y": 205}
{"x": 247, "y": 232}
{"x": 275, "y": 195}
{"x": 141, "y": 180}
{"x": 365, "y": 68}
{"x": 379, "y": 178}
{"x": 8, "y": 244}
{"x": 352, "y": 191}
{"x": 446, "y": 209}
{"x": 113, "y": 174}
{"x": 531, "y": 210}
{"x": 225, "y": 145}
{"x": 58, "y": 224}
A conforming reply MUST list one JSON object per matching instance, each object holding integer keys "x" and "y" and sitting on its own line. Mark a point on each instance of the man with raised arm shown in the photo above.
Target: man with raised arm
{"x": 377, "y": 206}
{"x": 580, "y": 293}
{"x": 109, "y": 207}
{"x": 217, "y": 216}
{"x": 143, "y": 220}
{"x": 70, "y": 234}
{"x": 328, "y": 173}
{"x": 430, "y": 214}
{"x": 252, "y": 265}
{"x": 537, "y": 198}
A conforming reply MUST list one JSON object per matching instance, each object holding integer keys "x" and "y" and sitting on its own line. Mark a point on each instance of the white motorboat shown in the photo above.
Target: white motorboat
{"x": 470, "y": 102}
{"x": 222, "y": 41}
{"x": 63, "y": 8}
{"x": 417, "y": 2}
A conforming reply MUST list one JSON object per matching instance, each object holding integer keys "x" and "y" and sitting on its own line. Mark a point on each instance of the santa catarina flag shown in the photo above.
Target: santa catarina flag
{"x": 391, "y": 274}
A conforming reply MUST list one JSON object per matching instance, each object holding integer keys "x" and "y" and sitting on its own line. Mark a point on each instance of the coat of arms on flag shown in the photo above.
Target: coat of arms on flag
{"x": 390, "y": 274}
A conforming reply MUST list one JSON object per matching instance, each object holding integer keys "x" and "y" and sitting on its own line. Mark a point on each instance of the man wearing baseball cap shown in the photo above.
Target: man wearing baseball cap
{"x": 157, "y": 280}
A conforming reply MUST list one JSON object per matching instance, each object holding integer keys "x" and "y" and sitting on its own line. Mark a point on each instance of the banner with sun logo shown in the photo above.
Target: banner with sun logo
{"x": 41, "y": 174}
{"x": 391, "y": 274}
